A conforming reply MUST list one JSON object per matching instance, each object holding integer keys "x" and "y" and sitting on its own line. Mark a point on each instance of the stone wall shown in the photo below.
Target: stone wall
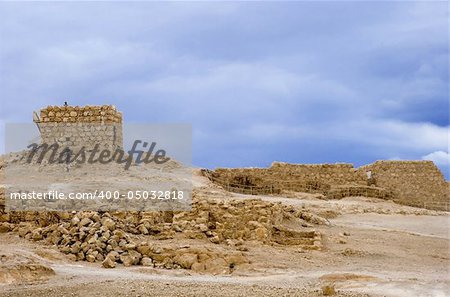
{"x": 316, "y": 178}
{"x": 360, "y": 191}
{"x": 76, "y": 114}
{"x": 327, "y": 175}
{"x": 87, "y": 126}
{"x": 415, "y": 183}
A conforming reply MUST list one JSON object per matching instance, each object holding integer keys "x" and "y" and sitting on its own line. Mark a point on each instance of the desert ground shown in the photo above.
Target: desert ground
{"x": 369, "y": 247}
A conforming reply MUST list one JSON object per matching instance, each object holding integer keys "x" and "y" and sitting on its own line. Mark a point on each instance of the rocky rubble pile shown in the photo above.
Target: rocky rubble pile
{"x": 125, "y": 237}
{"x": 96, "y": 238}
{"x": 222, "y": 220}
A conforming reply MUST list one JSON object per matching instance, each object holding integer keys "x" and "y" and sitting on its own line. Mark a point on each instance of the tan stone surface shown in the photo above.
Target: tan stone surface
{"x": 415, "y": 183}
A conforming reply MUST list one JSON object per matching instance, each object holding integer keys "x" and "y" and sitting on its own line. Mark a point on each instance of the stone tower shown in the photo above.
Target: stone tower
{"x": 75, "y": 127}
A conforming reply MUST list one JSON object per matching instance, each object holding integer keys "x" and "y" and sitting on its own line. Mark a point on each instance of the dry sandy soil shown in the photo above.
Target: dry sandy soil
{"x": 371, "y": 248}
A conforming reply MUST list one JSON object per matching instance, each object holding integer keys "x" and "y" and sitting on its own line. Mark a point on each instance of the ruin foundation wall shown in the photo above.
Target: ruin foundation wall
{"x": 418, "y": 183}
{"x": 317, "y": 178}
{"x": 415, "y": 183}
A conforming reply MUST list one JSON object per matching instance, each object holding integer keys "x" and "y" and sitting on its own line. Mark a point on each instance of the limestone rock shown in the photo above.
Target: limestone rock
{"x": 85, "y": 222}
{"x": 186, "y": 260}
{"x": 146, "y": 261}
{"x": 5, "y": 227}
{"x": 130, "y": 258}
{"x": 90, "y": 258}
{"x": 216, "y": 266}
{"x": 109, "y": 262}
{"x": 109, "y": 223}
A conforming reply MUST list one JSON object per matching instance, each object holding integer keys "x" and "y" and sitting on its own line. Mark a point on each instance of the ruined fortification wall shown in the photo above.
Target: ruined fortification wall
{"x": 327, "y": 174}
{"x": 418, "y": 183}
{"x": 317, "y": 178}
{"x": 87, "y": 126}
{"x": 415, "y": 183}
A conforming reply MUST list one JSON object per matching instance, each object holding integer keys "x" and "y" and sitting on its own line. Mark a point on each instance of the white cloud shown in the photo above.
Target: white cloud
{"x": 393, "y": 136}
{"x": 440, "y": 158}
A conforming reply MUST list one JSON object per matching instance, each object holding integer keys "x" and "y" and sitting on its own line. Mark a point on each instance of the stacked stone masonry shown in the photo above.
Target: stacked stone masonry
{"x": 76, "y": 114}
{"x": 415, "y": 183}
{"x": 418, "y": 183}
{"x": 77, "y": 127}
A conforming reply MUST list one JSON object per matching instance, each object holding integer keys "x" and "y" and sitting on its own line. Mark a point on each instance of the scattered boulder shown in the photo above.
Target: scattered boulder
{"x": 85, "y": 222}
{"x": 109, "y": 224}
{"x": 109, "y": 262}
{"x": 5, "y": 227}
{"x": 146, "y": 261}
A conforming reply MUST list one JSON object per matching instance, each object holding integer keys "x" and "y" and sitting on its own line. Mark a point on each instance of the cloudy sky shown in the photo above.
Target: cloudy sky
{"x": 298, "y": 82}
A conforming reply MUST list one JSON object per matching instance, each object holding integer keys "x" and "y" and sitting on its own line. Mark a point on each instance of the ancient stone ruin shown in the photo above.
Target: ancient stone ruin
{"x": 75, "y": 127}
{"x": 218, "y": 225}
{"x": 131, "y": 238}
{"x": 414, "y": 183}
